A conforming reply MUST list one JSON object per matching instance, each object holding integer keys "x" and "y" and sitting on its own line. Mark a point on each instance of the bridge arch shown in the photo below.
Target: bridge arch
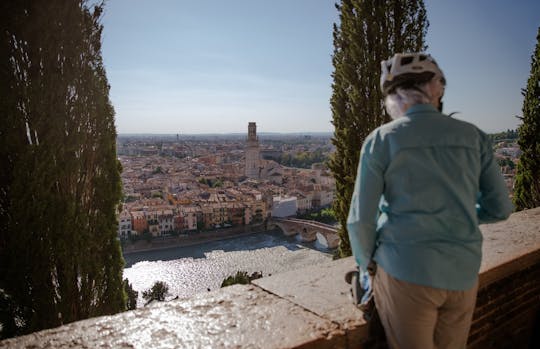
{"x": 308, "y": 231}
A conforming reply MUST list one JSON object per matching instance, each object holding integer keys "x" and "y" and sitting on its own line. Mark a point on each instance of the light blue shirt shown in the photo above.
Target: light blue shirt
{"x": 424, "y": 183}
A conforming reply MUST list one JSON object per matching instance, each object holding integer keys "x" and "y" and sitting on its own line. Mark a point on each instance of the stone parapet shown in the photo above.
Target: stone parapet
{"x": 311, "y": 308}
{"x": 508, "y": 303}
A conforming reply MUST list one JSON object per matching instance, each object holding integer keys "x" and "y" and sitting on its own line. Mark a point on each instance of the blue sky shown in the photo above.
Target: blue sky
{"x": 212, "y": 66}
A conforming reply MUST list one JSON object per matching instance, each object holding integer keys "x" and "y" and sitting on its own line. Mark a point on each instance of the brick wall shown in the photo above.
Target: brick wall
{"x": 506, "y": 311}
{"x": 312, "y": 308}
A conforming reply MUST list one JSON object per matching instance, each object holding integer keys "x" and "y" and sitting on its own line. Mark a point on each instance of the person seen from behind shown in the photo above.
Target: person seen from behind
{"x": 425, "y": 182}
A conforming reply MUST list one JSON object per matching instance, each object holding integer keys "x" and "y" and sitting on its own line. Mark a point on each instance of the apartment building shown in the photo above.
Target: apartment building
{"x": 139, "y": 222}
{"x": 124, "y": 224}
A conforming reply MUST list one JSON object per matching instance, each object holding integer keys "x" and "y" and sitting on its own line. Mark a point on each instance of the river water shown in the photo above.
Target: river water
{"x": 193, "y": 269}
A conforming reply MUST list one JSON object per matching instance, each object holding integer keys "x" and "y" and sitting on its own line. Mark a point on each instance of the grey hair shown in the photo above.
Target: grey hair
{"x": 401, "y": 99}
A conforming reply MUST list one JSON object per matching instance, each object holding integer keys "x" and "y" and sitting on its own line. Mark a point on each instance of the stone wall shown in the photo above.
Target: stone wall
{"x": 311, "y": 308}
{"x": 508, "y": 303}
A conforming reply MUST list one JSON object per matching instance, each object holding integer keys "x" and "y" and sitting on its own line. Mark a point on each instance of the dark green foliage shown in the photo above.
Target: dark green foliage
{"x": 257, "y": 217}
{"x": 303, "y": 159}
{"x": 326, "y": 215}
{"x": 527, "y": 185}
{"x": 506, "y": 162}
{"x": 129, "y": 199}
{"x": 368, "y": 32}
{"x": 131, "y": 295}
{"x": 212, "y": 183}
{"x": 147, "y": 236}
{"x": 157, "y": 292}
{"x": 503, "y": 136}
{"x": 60, "y": 184}
{"x": 10, "y": 314}
{"x": 241, "y": 278}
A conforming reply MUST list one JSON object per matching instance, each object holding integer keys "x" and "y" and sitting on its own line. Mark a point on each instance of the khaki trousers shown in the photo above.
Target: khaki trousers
{"x": 421, "y": 317}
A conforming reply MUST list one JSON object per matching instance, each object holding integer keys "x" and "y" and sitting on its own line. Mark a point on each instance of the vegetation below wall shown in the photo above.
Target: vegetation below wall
{"x": 241, "y": 277}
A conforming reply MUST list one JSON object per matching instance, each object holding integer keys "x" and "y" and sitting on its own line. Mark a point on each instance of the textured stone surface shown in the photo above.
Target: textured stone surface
{"x": 309, "y": 308}
{"x": 510, "y": 246}
{"x": 233, "y": 317}
{"x": 322, "y": 290}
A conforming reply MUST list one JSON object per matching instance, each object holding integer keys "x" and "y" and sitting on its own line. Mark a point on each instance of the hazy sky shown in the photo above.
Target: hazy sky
{"x": 211, "y": 66}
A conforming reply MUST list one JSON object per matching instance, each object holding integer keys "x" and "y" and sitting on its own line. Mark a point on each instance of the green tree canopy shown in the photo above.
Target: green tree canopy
{"x": 527, "y": 185}
{"x": 368, "y": 32}
{"x": 504, "y": 135}
{"x": 132, "y": 295}
{"x": 60, "y": 260}
{"x": 157, "y": 292}
{"x": 241, "y": 277}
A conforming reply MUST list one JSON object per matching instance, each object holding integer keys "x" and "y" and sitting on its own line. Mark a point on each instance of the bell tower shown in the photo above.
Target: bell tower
{"x": 252, "y": 152}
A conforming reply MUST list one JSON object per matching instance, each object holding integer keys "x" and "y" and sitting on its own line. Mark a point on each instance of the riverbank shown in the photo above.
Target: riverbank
{"x": 166, "y": 242}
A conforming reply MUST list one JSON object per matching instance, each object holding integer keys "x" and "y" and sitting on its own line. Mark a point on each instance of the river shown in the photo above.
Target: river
{"x": 193, "y": 269}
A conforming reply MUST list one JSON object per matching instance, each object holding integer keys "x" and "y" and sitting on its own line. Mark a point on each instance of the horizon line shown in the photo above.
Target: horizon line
{"x": 220, "y": 133}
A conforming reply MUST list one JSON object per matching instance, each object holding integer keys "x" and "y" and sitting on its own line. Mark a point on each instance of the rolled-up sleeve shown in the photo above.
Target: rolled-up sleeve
{"x": 493, "y": 203}
{"x": 363, "y": 212}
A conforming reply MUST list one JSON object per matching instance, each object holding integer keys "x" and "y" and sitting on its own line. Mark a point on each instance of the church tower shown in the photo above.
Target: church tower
{"x": 252, "y": 152}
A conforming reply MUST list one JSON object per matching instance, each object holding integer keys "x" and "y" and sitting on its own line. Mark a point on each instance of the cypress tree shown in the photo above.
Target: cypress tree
{"x": 60, "y": 182}
{"x": 132, "y": 295}
{"x": 369, "y": 31}
{"x": 527, "y": 185}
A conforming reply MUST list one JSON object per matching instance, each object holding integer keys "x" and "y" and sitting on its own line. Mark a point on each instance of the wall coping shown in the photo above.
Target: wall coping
{"x": 307, "y": 308}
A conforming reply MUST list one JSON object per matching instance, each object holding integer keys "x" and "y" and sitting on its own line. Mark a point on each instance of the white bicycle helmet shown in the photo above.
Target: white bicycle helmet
{"x": 408, "y": 69}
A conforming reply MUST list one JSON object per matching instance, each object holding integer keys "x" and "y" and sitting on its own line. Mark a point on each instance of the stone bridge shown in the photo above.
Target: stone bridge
{"x": 307, "y": 230}
{"x": 311, "y": 308}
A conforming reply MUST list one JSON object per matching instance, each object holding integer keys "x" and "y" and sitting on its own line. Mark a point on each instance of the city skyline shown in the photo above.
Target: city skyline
{"x": 211, "y": 67}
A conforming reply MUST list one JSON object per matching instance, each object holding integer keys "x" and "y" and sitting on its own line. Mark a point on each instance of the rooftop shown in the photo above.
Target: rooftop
{"x": 311, "y": 308}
